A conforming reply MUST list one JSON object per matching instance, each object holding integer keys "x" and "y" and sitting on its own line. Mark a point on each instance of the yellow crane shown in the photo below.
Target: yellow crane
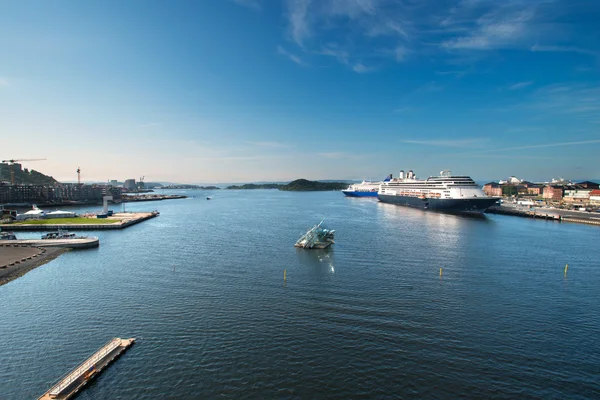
{"x": 12, "y": 169}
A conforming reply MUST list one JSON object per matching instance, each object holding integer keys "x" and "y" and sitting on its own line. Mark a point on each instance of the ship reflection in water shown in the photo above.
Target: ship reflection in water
{"x": 319, "y": 261}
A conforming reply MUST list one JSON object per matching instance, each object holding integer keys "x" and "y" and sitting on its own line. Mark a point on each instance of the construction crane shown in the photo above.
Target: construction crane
{"x": 12, "y": 168}
{"x": 78, "y": 176}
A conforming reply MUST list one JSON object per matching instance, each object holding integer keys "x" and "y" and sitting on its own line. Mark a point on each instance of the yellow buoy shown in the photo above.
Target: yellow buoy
{"x": 440, "y": 272}
{"x": 566, "y": 268}
{"x": 284, "y": 274}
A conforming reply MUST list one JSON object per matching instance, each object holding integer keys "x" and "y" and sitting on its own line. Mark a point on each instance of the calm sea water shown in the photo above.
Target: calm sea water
{"x": 202, "y": 289}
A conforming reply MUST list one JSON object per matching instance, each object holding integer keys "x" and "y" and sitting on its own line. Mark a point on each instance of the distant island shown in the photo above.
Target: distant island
{"x": 256, "y": 186}
{"x": 299, "y": 185}
{"x": 189, "y": 187}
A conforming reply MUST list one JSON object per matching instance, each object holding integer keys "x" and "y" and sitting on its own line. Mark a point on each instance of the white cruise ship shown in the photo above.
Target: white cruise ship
{"x": 446, "y": 192}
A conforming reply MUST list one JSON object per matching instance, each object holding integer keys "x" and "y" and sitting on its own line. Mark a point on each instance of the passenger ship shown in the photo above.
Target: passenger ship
{"x": 458, "y": 194}
{"x": 365, "y": 188}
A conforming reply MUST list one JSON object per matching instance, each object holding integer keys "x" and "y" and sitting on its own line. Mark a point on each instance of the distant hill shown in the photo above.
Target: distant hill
{"x": 24, "y": 176}
{"x": 304, "y": 185}
{"x": 299, "y": 185}
{"x": 256, "y": 186}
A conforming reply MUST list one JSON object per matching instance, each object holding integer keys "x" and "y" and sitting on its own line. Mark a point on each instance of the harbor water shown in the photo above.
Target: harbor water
{"x": 406, "y": 304}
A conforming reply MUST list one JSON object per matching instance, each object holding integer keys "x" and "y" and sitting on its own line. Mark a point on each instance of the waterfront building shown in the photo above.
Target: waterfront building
{"x": 58, "y": 193}
{"x": 492, "y": 189}
{"x": 553, "y": 192}
{"x": 576, "y": 195}
{"x": 535, "y": 189}
{"x": 129, "y": 184}
{"x": 589, "y": 185}
{"x": 595, "y": 197}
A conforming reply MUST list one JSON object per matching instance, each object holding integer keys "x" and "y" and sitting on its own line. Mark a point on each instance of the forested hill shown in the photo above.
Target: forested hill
{"x": 25, "y": 176}
{"x": 256, "y": 186}
{"x": 299, "y": 185}
{"x": 304, "y": 185}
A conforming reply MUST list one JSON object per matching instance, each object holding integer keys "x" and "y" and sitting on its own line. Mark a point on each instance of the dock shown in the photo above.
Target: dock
{"x": 524, "y": 212}
{"x": 75, "y": 380}
{"x": 553, "y": 214}
{"x": 116, "y": 221}
{"x": 86, "y": 243}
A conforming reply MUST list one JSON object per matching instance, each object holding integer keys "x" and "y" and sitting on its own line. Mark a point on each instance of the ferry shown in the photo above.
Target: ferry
{"x": 365, "y": 188}
{"x": 448, "y": 193}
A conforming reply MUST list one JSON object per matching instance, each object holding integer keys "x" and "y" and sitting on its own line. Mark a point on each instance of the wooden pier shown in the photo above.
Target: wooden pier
{"x": 75, "y": 380}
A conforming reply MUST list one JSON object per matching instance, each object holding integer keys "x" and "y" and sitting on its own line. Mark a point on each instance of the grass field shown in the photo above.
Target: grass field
{"x": 67, "y": 221}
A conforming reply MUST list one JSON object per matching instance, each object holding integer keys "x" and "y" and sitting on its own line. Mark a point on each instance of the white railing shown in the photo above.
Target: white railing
{"x": 77, "y": 372}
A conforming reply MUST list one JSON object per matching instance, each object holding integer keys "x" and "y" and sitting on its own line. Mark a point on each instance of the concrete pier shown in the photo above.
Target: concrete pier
{"x": 86, "y": 243}
{"x": 118, "y": 221}
{"x": 555, "y": 214}
{"x": 70, "y": 384}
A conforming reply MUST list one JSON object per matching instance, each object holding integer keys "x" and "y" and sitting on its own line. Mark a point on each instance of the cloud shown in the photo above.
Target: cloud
{"x": 149, "y": 125}
{"x": 475, "y": 142}
{"x": 290, "y": 56}
{"x": 502, "y": 27}
{"x": 333, "y": 155}
{"x": 537, "y": 146}
{"x": 4, "y": 82}
{"x": 564, "y": 49}
{"x": 361, "y": 68}
{"x": 335, "y": 27}
{"x": 270, "y": 144}
{"x": 249, "y": 3}
{"x": 581, "y": 100}
{"x": 381, "y": 32}
{"x": 520, "y": 85}
{"x": 402, "y": 110}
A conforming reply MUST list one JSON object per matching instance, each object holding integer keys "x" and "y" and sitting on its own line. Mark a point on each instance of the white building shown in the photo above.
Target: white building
{"x": 36, "y": 213}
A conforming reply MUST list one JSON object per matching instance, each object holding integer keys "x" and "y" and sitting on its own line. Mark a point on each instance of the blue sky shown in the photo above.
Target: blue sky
{"x": 255, "y": 90}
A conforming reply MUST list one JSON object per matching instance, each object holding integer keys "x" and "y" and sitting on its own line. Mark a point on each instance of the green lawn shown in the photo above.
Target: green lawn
{"x": 67, "y": 221}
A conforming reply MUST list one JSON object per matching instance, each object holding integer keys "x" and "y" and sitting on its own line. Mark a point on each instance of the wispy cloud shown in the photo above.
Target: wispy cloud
{"x": 4, "y": 82}
{"x": 290, "y": 56}
{"x": 336, "y": 155}
{"x": 346, "y": 22}
{"x": 535, "y": 146}
{"x": 149, "y": 125}
{"x": 520, "y": 85}
{"x": 402, "y": 110}
{"x": 496, "y": 29}
{"x": 356, "y": 31}
{"x": 522, "y": 129}
{"x": 361, "y": 68}
{"x": 564, "y": 49}
{"x": 256, "y": 4}
{"x": 582, "y": 100}
{"x": 270, "y": 144}
{"x": 474, "y": 142}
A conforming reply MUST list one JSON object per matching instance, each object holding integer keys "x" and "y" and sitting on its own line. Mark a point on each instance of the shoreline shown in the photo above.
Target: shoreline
{"x": 13, "y": 255}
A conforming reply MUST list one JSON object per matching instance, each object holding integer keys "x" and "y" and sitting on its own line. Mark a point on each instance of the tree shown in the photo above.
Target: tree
{"x": 509, "y": 190}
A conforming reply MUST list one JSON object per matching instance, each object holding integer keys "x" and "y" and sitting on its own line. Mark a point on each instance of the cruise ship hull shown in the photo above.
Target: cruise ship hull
{"x": 352, "y": 193}
{"x": 469, "y": 205}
